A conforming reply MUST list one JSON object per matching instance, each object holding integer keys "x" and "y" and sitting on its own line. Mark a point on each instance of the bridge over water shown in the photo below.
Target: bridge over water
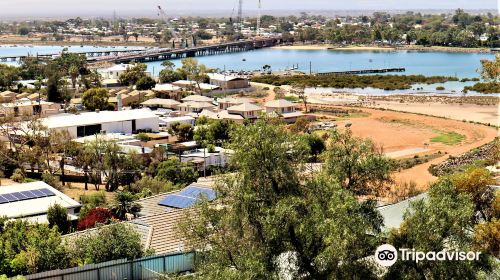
{"x": 88, "y": 54}
{"x": 166, "y": 54}
{"x": 144, "y": 55}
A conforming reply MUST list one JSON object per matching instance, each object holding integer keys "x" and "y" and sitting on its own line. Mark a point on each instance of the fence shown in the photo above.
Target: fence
{"x": 141, "y": 269}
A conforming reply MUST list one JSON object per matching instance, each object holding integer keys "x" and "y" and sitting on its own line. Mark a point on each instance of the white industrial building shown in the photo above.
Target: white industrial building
{"x": 91, "y": 123}
{"x": 31, "y": 201}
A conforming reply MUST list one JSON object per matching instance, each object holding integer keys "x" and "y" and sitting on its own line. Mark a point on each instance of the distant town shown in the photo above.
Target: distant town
{"x": 251, "y": 147}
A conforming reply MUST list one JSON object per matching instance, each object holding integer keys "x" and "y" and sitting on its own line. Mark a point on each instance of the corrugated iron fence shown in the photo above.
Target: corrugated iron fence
{"x": 140, "y": 269}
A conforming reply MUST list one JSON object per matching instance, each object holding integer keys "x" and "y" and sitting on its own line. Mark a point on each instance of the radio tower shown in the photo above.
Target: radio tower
{"x": 258, "y": 20}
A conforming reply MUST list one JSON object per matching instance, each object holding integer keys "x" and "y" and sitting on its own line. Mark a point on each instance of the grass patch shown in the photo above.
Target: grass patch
{"x": 448, "y": 138}
{"x": 291, "y": 98}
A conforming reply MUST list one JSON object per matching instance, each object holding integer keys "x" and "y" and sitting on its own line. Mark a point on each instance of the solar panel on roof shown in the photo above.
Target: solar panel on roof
{"x": 177, "y": 201}
{"x": 47, "y": 192}
{"x": 38, "y": 193}
{"x": 28, "y": 194}
{"x": 19, "y": 196}
{"x": 198, "y": 192}
{"x": 10, "y": 197}
{"x": 25, "y": 195}
{"x": 3, "y": 200}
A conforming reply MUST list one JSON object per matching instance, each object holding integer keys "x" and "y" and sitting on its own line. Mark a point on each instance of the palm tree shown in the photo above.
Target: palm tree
{"x": 74, "y": 72}
{"x": 125, "y": 204}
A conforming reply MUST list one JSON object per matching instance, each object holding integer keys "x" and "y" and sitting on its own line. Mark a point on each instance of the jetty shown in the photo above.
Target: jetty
{"x": 365, "y": 71}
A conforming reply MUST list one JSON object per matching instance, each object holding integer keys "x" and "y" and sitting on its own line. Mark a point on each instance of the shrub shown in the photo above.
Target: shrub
{"x": 143, "y": 137}
{"x": 18, "y": 176}
{"x": 52, "y": 181}
{"x": 58, "y": 216}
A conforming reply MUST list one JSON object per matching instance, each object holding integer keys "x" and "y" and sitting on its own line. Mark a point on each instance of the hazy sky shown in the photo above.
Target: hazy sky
{"x": 50, "y": 8}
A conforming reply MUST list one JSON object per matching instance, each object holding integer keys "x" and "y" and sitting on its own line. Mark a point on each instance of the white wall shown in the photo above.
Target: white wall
{"x": 151, "y": 123}
{"x": 118, "y": 127}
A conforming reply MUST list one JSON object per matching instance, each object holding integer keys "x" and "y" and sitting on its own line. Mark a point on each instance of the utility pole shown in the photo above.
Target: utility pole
{"x": 258, "y": 20}
{"x": 240, "y": 16}
{"x": 310, "y": 67}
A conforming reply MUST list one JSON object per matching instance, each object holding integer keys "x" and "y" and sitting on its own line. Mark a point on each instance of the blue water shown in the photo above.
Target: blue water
{"x": 462, "y": 65}
{"x": 13, "y": 50}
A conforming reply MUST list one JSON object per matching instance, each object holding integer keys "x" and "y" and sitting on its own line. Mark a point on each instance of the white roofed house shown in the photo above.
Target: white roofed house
{"x": 221, "y": 115}
{"x": 167, "y": 90}
{"x": 29, "y": 108}
{"x": 91, "y": 123}
{"x": 161, "y": 103}
{"x": 195, "y": 107}
{"x": 228, "y": 82}
{"x": 7, "y": 96}
{"x": 246, "y": 110}
{"x": 115, "y": 71}
{"x": 31, "y": 201}
{"x": 194, "y": 86}
{"x": 197, "y": 98}
{"x": 284, "y": 109}
{"x": 227, "y": 102}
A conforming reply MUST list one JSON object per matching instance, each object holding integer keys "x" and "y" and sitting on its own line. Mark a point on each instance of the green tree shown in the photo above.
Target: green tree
{"x": 110, "y": 242}
{"x": 273, "y": 220}
{"x": 95, "y": 99}
{"x": 30, "y": 248}
{"x": 490, "y": 69}
{"x": 145, "y": 83}
{"x": 215, "y": 132}
{"x": 8, "y": 74}
{"x": 183, "y": 131}
{"x": 133, "y": 74}
{"x": 169, "y": 75}
{"x": 155, "y": 185}
{"x": 476, "y": 182}
{"x": 487, "y": 236}
{"x": 73, "y": 72}
{"x": 125, "y": 204}
{"x": 179, "y": 173}
{"x": 357, "y": 163}
{"x": 443, "y": 221}
{"x": 194, "y": 71}
{"x": 58, "y": 216}
{"x": 316, "y": 146}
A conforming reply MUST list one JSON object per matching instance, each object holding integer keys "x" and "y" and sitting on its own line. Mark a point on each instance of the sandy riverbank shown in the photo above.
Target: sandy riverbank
{"x": 377, "y": 48}
{"x": 332, "y": 47}
{"x": 481, "y": 109}
{"x": 364, "y": 48}
{"x": 303, "y": 47}
{"x": 487, "y": 114}
{"x": 442, "y": 49}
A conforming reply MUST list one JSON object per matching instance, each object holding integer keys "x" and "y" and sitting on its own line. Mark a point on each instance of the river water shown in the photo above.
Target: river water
{"x": 461, "y": 65}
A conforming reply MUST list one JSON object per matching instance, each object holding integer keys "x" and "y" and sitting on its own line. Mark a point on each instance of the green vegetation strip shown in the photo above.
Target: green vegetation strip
{"x": 387, "y": 82}
{"x": 448, "y": 138}
{"x": 492, "y": 87}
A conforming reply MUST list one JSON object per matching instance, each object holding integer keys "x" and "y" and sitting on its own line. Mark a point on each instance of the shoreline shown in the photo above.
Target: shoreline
{"x": 383, "y": 48}
{"x": 476, "y": 109}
